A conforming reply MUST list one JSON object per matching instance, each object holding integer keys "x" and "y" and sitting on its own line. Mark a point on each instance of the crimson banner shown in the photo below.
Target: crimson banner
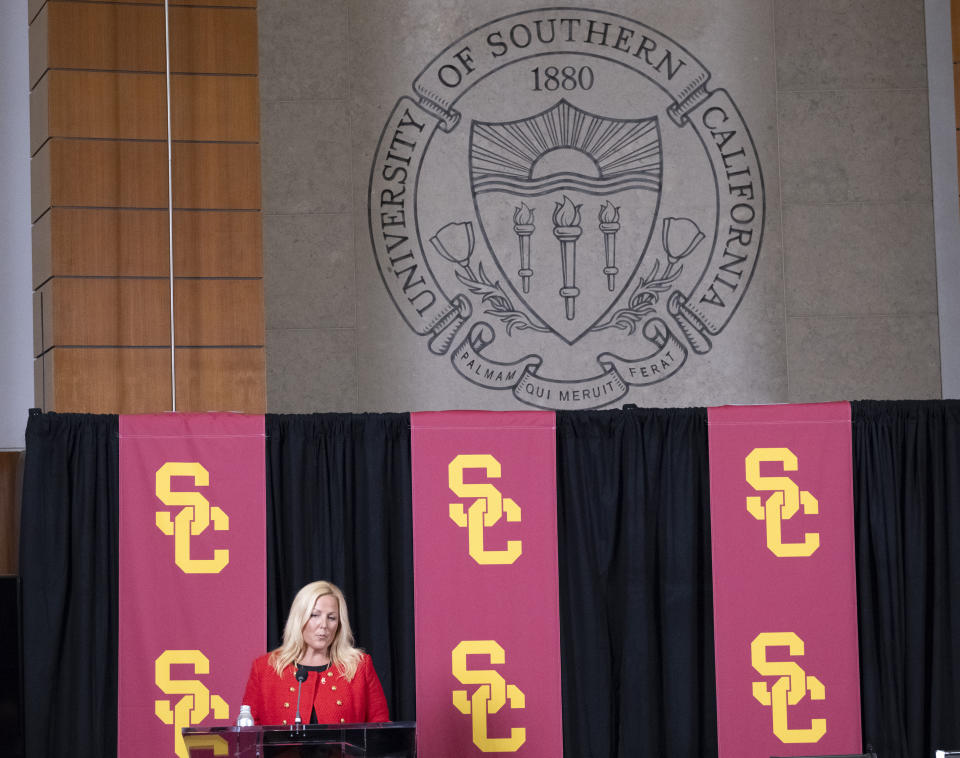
{"x": 486, "y": 584}
{"x": 784, "y": 582}
{"x": 192, "y": 585}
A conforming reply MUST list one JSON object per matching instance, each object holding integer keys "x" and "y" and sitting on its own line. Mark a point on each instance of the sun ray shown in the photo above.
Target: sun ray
{"x": 531, "y": 140}
{"x": 506, "y": 154}
{"x": 497, "y": 143}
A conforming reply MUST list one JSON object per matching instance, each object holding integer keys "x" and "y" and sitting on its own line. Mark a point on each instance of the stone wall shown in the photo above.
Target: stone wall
{"x": 759, "y": 171}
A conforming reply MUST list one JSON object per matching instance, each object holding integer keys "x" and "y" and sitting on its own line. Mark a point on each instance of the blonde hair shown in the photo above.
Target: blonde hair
{"x": 343, "y": 655}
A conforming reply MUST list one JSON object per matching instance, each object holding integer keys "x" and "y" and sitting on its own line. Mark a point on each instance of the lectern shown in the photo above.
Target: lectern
{"x": 393, "y": 740}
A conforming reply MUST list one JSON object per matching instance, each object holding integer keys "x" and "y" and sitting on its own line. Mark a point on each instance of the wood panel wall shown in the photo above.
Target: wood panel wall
{"x": 98, "y": 122}
{"x": 11, "y": 475}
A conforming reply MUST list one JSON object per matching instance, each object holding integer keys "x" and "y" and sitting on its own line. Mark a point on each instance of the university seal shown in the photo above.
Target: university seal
{"x": 565, "y": 208}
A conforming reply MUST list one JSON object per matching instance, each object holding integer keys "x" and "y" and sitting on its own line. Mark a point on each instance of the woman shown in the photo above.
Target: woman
{"x": 340, "y": 685}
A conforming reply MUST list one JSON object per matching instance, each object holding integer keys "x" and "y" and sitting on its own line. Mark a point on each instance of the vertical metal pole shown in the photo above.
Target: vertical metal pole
{"x": 173, "y": 341}
{"x": 943, "y": 165}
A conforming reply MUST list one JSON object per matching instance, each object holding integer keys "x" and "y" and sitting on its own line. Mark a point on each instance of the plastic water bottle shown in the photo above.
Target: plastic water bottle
{"x": 245, "y": 718}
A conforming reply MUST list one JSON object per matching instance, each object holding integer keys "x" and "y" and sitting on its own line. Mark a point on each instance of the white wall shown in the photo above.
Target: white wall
{"x": 16, "y": 311}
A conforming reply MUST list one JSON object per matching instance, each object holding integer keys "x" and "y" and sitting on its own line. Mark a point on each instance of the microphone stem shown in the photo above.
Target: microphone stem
{"x": 301, "y": 676}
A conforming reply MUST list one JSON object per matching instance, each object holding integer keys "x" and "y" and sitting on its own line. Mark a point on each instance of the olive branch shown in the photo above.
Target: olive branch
{"x": 645, "y": 296}
{"x": 500, "y": 305}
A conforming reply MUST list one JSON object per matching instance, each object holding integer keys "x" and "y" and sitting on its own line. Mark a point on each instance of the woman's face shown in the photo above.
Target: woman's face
{"x": 322, "y": 625}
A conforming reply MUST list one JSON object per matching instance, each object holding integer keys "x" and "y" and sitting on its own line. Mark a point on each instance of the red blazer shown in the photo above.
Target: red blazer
{"x": 273, "y": 699}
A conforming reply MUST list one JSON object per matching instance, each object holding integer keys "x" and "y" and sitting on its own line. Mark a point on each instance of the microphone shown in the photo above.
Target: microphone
{"x": 301, "y": 676}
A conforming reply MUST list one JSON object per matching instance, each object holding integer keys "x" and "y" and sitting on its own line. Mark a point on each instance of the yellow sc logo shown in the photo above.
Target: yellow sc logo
{"x": 783, "y": 503}
{"x": 193, "y": 518}
{"x": 194, "y": 706}
{"x": 791, "y": 686}
{"x": 488, "y": 508}
{"x": 489, "y": 697}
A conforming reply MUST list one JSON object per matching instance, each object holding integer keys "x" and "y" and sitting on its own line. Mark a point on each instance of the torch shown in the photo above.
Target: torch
{"x": 566, "y": 228}
{"x": 609, "y": 219}
{"x": 523, "y": 226}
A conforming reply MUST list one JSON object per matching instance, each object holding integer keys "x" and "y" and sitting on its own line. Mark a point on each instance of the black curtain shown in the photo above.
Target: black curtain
{"x": 636, "y": 613}
{"x": 635, "y": 589}
{"x": 68, "y": 570}
{"x": 906, "y": 467}
{"x": 339, "y": 508}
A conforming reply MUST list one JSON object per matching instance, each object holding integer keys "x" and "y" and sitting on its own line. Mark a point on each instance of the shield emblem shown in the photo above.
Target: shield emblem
{"x": 566, "y": 201}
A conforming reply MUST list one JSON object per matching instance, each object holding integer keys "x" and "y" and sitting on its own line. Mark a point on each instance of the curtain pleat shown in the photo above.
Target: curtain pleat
{"x": 906, "y": 466}
{"x": 339, "y": 508}
{"x": 636, "y": 616}
{"x": 68, "y": 569}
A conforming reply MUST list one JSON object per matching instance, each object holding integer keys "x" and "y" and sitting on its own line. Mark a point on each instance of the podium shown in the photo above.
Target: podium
{"x": 390, "y": 740}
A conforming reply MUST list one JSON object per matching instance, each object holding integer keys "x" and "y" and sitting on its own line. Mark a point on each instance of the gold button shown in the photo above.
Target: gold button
{"x": 291, "y": 689}
{"x": 334, "y": 687}
{"x": 342, "y": 720}
{"x": 339, "y": 702}
{"x": 286, "y": 705}
{"x": 284, "y": 721}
